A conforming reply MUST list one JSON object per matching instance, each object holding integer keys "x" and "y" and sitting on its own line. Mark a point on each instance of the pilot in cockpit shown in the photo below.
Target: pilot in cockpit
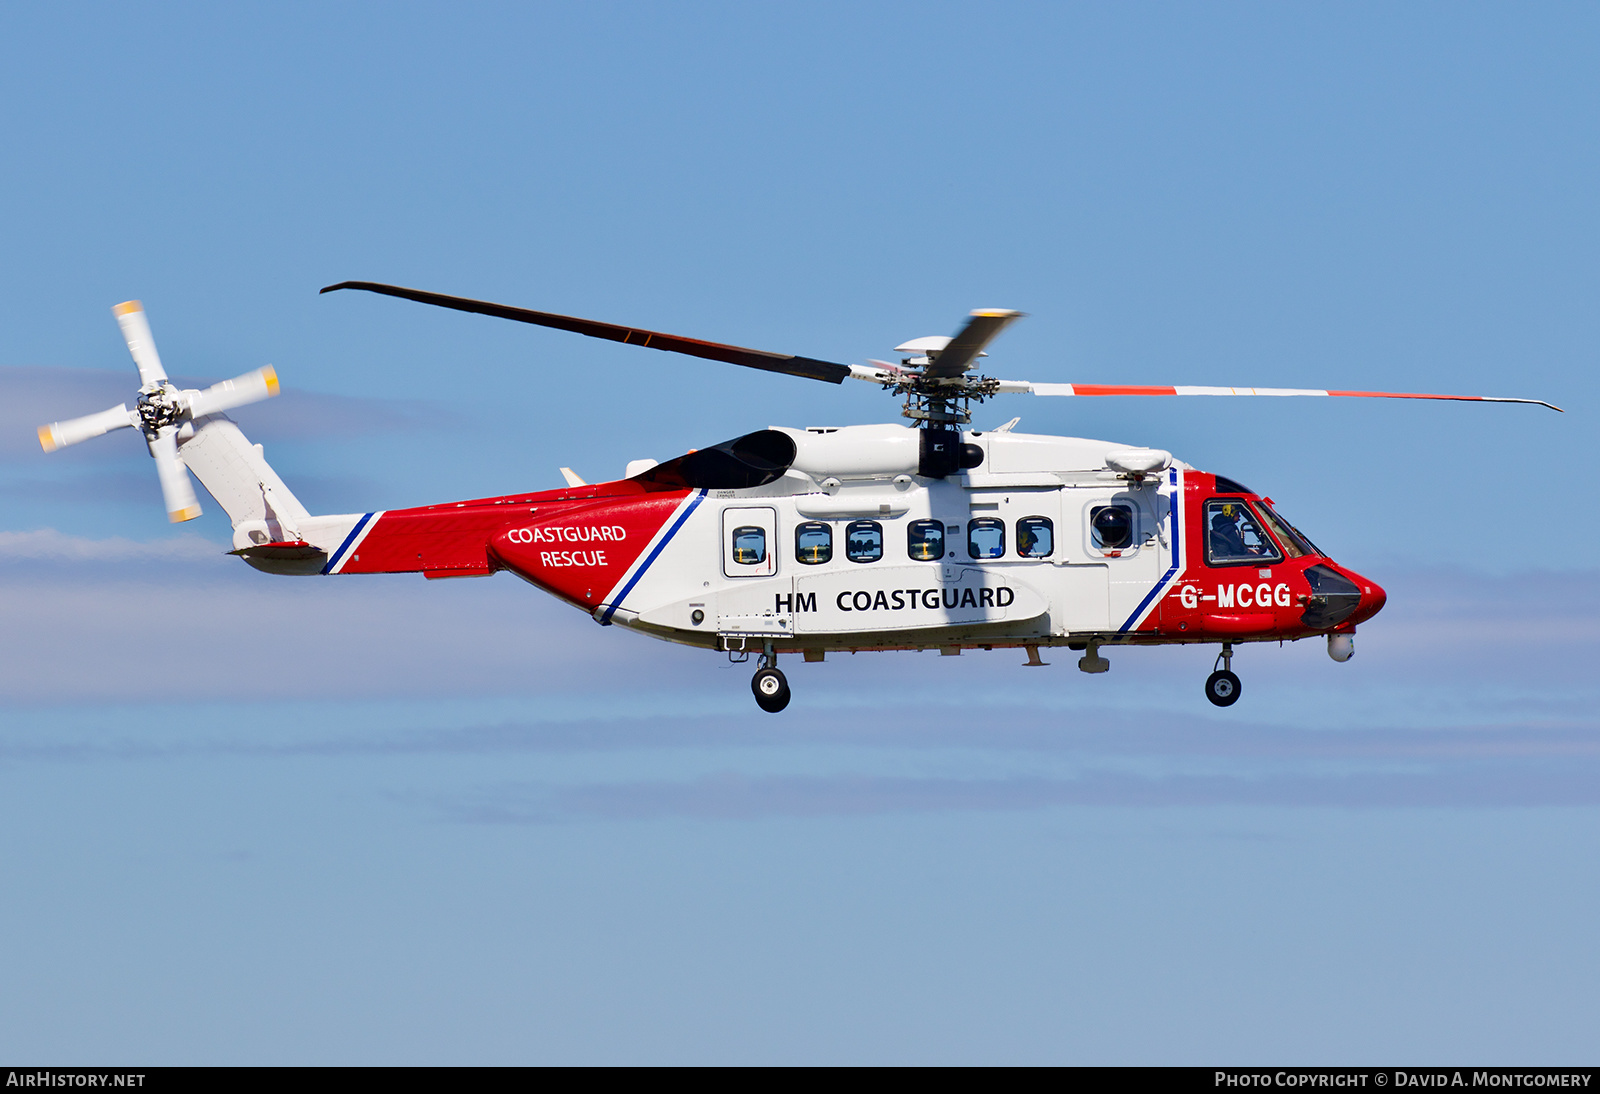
{"x": 1227, "y": 539}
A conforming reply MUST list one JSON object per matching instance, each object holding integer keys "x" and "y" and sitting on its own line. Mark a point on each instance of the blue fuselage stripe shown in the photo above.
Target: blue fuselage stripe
{"x": 1177, "y": 559}
{"x": 345, "y": 546}
{"x": 654, "y": 554}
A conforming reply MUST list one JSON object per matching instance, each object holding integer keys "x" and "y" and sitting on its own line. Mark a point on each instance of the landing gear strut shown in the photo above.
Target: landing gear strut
{"x": 768, "y": 684}
{"x": 1222, "y": 686}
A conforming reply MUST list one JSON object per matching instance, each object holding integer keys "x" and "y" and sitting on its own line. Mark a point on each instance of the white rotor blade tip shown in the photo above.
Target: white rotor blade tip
{"x": 252, "y": 387}
{"x": 61, "y": 434}
{"x": 141, "y": 343}
{"x": 176, "y": 489}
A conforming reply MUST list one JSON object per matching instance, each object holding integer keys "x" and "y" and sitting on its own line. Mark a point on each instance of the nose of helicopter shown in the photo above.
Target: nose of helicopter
{"x": 1373, "y": 598}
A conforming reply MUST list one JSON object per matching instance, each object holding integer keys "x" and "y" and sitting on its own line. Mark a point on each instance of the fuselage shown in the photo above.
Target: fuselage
{"x": 831, "y": 539}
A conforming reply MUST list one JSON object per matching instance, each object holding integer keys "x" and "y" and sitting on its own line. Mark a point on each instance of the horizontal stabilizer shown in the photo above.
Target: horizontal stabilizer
{"x": 297, "y": 550}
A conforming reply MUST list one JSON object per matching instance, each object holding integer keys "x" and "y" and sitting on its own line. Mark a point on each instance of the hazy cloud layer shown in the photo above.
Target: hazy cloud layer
{"x": 736, "y": 796}
{"x": 130, "y": 480}
{"x": 1477, "y": 649}
{"x": 107, "y": 620}
{"x": 134, "y": 482}
{"x": 138, "y": 651}
{"x": 49, "y": 545}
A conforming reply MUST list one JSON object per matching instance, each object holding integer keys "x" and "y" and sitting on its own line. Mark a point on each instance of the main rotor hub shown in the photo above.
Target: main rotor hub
{"x": 159, "y": 407}
{"x": 940, "y": 401}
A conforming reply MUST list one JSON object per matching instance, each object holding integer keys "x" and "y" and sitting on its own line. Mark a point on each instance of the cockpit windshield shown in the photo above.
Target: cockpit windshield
{"x": 1288, "y": 535}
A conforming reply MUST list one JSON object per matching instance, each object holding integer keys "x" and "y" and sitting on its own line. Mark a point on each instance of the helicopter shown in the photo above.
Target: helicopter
{"x": 809, "y": 541}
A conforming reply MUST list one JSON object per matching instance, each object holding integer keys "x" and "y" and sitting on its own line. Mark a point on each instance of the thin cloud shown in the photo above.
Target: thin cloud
{"x": 47, "y": 544}
{"x": 137, "y": 485}
{"x": 181, "y": 609}
{"x": 105, "y": 486}
{"x": 728, "y": 796}
{"x": 721, "y": 724}
{"x": 67, "y": 602}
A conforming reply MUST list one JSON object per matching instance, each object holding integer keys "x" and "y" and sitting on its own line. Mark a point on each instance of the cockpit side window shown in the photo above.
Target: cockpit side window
{"x": 1234, "y": 535}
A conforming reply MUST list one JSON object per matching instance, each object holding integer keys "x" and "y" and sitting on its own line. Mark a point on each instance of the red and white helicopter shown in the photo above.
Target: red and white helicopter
{"x": 810, "y": 541}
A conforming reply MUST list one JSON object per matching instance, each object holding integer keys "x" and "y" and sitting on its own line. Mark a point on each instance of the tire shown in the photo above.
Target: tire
{"x": 771, "y": 690}
{"x": 1222, "y": 688}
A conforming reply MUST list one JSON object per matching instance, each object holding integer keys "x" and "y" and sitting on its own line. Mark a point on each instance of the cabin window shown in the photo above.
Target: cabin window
{"x": 749, "y": 545}
{"x": 863, "y": 541}
{"x": 1036, "y": 537}
{"x": 986, "y": 537}
{"x": 1234, "y": 536}
{"x": 813, "y": 543}
{"x": 925, "y": 540}
{"x": 1111, "y": 527}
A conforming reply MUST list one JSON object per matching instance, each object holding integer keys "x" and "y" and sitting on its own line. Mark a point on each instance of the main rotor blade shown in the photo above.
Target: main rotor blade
{"x": 60, "y": 434}
{"x": 136, "y": 332}
{"x": 1154, "y": 389}
{"x": 808, "y": 367}
{"x": 252, "y": 387}
{"x": 176, "y": 489}
{"x": 982, "y": 327}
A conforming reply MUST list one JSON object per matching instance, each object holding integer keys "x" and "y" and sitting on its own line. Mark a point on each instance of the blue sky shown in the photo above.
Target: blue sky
{"x": 272, "y": 820}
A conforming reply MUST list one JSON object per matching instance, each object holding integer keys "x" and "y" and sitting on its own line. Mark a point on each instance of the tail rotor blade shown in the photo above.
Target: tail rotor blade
{"x": 60, "y": 434}
{"x": 136, "y": 332}
{"x": 252, "y": 387}
{"x": 176, "y": 489}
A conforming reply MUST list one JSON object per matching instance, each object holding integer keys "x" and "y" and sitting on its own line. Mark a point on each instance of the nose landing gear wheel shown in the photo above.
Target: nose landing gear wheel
{"x": 1222, "y": 688}
{"x": 771, "y": 690}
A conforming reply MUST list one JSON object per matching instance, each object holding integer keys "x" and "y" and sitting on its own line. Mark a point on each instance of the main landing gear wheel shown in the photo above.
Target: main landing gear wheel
{"x": 771, "y": 690}
{"x": 1222, "y": 688}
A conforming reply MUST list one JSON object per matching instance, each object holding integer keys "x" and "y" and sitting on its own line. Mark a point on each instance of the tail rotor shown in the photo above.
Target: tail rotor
{"x": 161, "y": 411}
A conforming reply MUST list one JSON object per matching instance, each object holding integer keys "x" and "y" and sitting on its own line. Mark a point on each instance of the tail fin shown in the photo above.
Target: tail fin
{"x": 239, "y": 477}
